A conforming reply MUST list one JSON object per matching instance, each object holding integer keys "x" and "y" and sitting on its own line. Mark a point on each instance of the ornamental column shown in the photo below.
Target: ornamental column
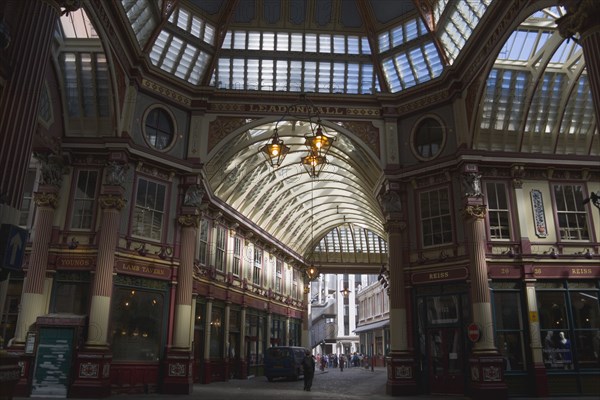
{"x": 179, "y": 374}
{"x": 582, "y": 24}
{"x": 305, "y": 339}
{"x": 486, "y": 363}
{"x": 92, "y": 365}
{"x": 401, "y": 364}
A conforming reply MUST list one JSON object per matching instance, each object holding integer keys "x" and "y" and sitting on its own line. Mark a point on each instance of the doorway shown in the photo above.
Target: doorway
{"x": 443, "y": 346}
{"x": 446, "y": 361}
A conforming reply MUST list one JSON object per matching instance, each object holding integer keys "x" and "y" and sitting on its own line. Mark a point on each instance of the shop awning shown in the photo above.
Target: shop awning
{"x": 371, "y": 326}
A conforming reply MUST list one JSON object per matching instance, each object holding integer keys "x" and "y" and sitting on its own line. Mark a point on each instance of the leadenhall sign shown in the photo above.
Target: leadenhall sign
{"x": 281, "y": 109}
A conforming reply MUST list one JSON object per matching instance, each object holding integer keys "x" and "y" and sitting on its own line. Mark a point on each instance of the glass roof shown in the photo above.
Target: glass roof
{"x": 536, "y": 98}
{"x": 254, "y": 51}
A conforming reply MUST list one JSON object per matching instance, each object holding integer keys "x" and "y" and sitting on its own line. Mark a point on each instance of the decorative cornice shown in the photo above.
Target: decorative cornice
{"x": 112, "y": 202}
{"x": 43, "y": 199}
{"x": 164, "y": 91}
{"x": 475, "y": 211}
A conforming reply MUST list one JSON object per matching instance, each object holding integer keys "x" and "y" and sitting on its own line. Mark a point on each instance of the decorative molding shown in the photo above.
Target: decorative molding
{"x": 43, "y": 199}
{"x": 223, "y": 126}
{"x": 366, "y": 131}
{"x": 475, "y": 211}
{"x": 164, "y": 91}
{"x": 188, "y": 220}
{"x": 111, "y": 202}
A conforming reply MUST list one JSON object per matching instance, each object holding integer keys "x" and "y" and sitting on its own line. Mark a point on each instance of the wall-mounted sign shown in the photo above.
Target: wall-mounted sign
{"x": 13, "y": 240}
{"x": 30, "y": 342}
{"x": 473, "y": 332}
{"x": 539, "y": 218}
{"x": 440, "y": 275}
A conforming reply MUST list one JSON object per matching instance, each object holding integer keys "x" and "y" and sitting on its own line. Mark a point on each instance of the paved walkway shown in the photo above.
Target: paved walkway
{"x": 331, "y": 384}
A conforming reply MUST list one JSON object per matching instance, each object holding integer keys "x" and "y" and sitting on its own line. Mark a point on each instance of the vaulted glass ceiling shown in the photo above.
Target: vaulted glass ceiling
{"x": 290, "y": 45}
{"x": 537, "y": 96}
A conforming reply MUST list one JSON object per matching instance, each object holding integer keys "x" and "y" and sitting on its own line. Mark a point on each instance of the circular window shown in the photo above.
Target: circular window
{"x": 159, "y": 128}
{"x": 428, "y": 138}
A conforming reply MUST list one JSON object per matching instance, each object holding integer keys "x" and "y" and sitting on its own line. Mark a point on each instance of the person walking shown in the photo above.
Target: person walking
{"x": 308, "y": 364}
{"x": 341, "y": 361}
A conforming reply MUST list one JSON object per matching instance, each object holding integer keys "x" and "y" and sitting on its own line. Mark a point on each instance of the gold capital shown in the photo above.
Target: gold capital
{"x": 188, "y": 220}
{"x": 112, "y": 201}
{"x": 43, "y": 199}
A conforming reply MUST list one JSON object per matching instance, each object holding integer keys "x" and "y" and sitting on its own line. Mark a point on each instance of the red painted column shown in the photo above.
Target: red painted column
{"x": 92, "y": 365}
{"x": 486, "y": 363}
{"x": 401, "y": 364}
{"x": 179, "y": 372}
{"x": 33, "y": 301}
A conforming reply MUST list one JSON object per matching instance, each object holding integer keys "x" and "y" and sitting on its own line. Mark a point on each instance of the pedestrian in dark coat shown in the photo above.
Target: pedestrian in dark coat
{"x": 308, "y": 364}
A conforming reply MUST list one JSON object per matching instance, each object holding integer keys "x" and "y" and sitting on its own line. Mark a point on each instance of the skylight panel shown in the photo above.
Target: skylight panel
{"x": 310, "y": 42}
{"x": 296, "y": 76}
{"x": 544, "y": 106}
{"x": 405, "y": 70}
{"x": 281, "y": 75}
{"x": 183, "y": 18}
{"x": 353, "y": 45}
{"x": 239, "y": 40}
{"x": 325, "y": 77}
{"x": 209, "y": 34}
{"x": 565, "y": 51}
{"x": 268, "y": 41}
{"x": 384, "y": 41}
{"x": 77, "y": 24}
{"x": 227, "y": 40}
{"x": 267, "y": 74}
{"x": 283, "y": 41}
{"x": 339, "y": 44}
{"x": 324, "y": 43}
{"x": 365, "y": 46}
{"x": 578, "y": 116}
{"x": 252, "y": 74}
{"x": 366, "y": 84}
{"x": 254, "y": 40}
{"x": 159, "y": 47}
{"x": 238, "y": 74}
{"x": 196, "y": 26}
{"x": 339, "y": 77}
{"x": 519, "y": 46}
{"x": 296, "y": 42}
{"x": 185, "y": 62}
{"x": 464, "y": 16}
{"x": 412, "y": 31}
{"x": 397, "y": 35}
{"x": 310, "y": 76}
{"x": 391, "y": 75}
{"x": 433, "y": 59}
{"x": 139, "y": 13}
{"x": 420, "y": 66}
{"x": 353, "y": 78}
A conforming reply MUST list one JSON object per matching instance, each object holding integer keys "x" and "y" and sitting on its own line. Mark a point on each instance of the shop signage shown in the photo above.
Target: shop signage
{"x": 473, "y": 332}
{"x": 502, "y": 271}
{"x": 75, "y": 262}
{"x": 566, "y": 272}
{"x": 440, "y": 275}
{"x": 148, "y": 271}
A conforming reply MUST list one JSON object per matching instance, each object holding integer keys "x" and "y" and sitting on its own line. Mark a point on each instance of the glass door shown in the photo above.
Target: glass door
{"x": 446, "y": 360}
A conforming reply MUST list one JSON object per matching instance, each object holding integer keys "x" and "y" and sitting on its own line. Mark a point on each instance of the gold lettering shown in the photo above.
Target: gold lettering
{"x": 581, "y": 271}
{"x": 504, "y": 271}
{"x": 438, "y": 275}
{"x": 537, "y": 271}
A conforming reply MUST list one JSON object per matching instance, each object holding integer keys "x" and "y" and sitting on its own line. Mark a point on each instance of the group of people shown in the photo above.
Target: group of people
{"x": 326, "y": 361}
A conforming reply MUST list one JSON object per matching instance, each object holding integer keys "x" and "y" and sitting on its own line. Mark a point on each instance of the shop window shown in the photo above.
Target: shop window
{"x": 71, "y": 293}
{"x": 137, "y": 320}
{"x": 498, "y": 212}
{"x": 220, "y": 249}
{"x": 436, "y": 220}
{"x": 569, "y": 324}
{"x": 570, "y": 212}
{"x": 159, "y": 128}
{"x": 203, "y": 242}
{"x": 149, "y": 211}
{"x": 216, "y": 333}
{"x": 237, "y": 256}
{"x": 257, "y": 270}
{"x": 508, "y": 322}
{"x": 84, "y": 198}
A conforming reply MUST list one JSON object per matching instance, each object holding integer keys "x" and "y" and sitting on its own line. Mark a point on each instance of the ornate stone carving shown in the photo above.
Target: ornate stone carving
{"x": 43, "y": 199}
{"x": 193, "y": 196}
{"x": 471, "y": 183}
{"x": 188, "y": 220}
{"x": 394, "y": 226}
{"x": 112, "y": 201}
{"x": 390, "y": 202}
{"x": 581, "y": 16}
{"x": 475, "y": 211}
{"x": 115, "y": 173}
{"x": 52, "y": 170}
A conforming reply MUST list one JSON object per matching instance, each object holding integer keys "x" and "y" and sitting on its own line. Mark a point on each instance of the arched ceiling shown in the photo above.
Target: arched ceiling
{"x": 287, "y": 202}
